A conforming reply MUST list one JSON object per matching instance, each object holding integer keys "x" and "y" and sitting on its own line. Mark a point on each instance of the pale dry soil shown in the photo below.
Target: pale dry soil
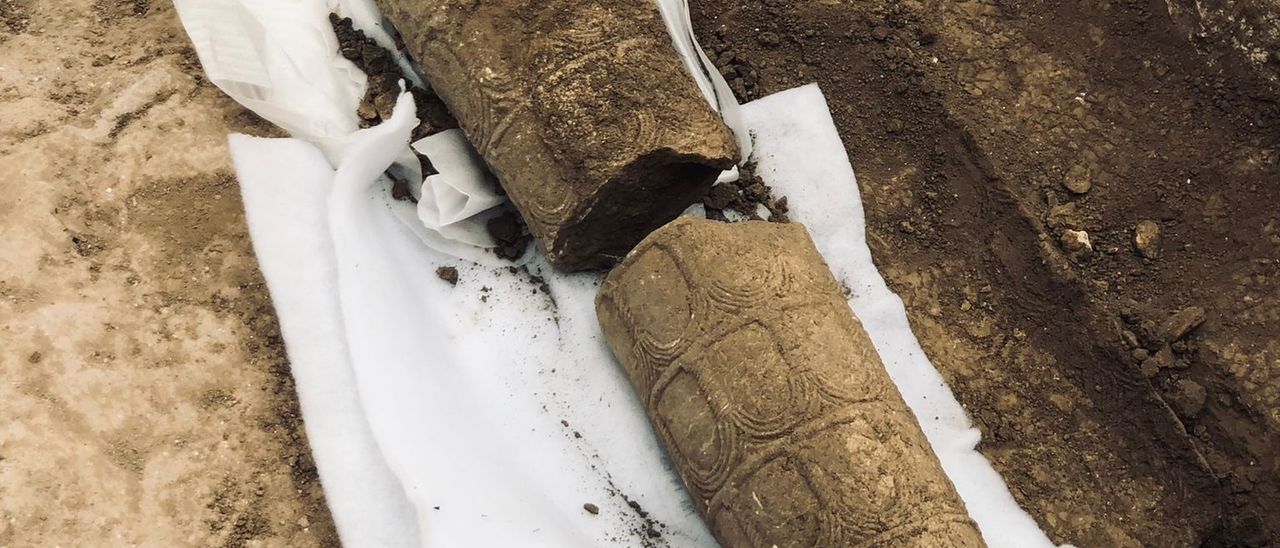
{"x": 145, "y": 397}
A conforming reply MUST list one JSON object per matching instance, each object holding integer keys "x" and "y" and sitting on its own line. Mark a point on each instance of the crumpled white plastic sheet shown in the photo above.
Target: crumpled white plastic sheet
{"x": 487, "y": 414}
{"x": 280, "y": 59}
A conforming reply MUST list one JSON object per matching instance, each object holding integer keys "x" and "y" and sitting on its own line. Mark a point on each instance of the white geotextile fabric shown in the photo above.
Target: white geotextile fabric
{"x": 280, "y": 59}
{"x": 487, "y": 414}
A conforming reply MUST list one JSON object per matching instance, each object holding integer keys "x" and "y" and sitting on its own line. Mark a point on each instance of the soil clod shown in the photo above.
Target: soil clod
{"x": 448, "y": 274}
{"x": 1076, "y": 243}
{"x": 1162, "y": 359}
{"x": 1077, "y": 180}
{"x": 510, "y": 235}
{"x": 1140, "y": 355}
{"x": 1178, "y": 325}
{"x": 746, "y": 196}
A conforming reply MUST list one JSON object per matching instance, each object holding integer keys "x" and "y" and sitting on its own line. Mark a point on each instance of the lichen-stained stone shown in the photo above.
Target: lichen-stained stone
{"x": 769, "y": 396}
{"x": 582, "y": 108}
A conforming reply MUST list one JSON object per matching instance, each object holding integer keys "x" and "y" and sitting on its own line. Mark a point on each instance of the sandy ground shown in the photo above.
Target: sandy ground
{"x": 144, "y": 393}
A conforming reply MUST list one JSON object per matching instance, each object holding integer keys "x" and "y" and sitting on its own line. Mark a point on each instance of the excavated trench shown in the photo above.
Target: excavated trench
{"x": 1008, "y": 155}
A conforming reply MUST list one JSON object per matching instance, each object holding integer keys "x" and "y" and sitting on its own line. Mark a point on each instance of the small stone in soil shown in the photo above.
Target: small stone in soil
{"x": 591, "y": 508}
{"x": 1178, "y": 325}
{"x": 448, "y": 274}
{"x": 1162, "y": 359}
{"x": 1076, "y": 243}
{"x": 1146, "y": 238}
{"x": 1063, "y": 216}
{"x": 1077, "y": 180}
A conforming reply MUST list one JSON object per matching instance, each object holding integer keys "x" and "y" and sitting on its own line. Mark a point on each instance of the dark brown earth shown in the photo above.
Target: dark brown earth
{"x": 746, "y": 196}
{"x": 383, "y": 87}
{"x": 982, "y": 133}
{"x": 510, "y": 234}
{"x": 381, "y": 92}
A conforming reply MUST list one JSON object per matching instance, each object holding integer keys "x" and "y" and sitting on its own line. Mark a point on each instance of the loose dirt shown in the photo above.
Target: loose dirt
{"x": 384, "y": 84}
{"x": 1009, "y": 155}
{"x": 146, "y": 397}
{"x": 748, "y": 196}
{"x": 448, "y": 273}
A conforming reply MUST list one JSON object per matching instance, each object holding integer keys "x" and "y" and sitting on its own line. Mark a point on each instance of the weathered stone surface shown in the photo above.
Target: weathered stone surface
{"x": 582, "y": 109}
{"x": 1078, "y": 180}
{"x": 1076, "y": 243}
{"x": 1146, "y": 238}
{"x": 1178, "y": 325}
{"x": 769, "y": 395}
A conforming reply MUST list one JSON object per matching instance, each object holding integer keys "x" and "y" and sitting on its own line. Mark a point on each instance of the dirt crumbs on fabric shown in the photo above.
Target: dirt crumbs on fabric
{"x": 748, "y": 196}
{"x": 448, "y": 274}
{"x": 651, "y": 528}
{"x": 538, "y": 285}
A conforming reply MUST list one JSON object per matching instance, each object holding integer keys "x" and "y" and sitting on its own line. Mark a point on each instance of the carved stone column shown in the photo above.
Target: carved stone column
{"x": 769, "y": 396}
{"x": 582, "y": 108}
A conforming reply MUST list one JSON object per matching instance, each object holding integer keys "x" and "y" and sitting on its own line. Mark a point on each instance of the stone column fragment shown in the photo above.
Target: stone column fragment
{"x": 769, "y": 396}
{"x": 582, "y": 108}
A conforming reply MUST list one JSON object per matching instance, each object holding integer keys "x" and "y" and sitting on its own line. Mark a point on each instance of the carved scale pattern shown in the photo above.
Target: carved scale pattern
{"x": 561, "y": 97}
{"x": 769, "y": 396}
